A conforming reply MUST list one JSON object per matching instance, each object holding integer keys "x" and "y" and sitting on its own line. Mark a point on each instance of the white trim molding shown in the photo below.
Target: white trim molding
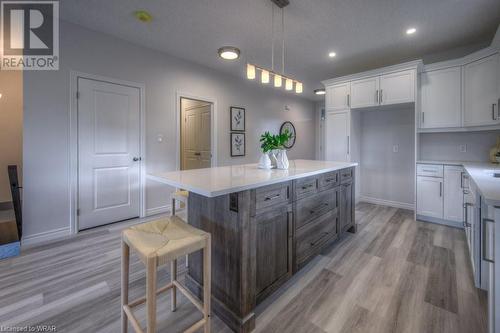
{"x": 382, "y": 202}
{"x": 73, "y": 144}
{"x": 213, "y": 120}
{"x": 46, "y": 236}
{"x": 158, "y": 210}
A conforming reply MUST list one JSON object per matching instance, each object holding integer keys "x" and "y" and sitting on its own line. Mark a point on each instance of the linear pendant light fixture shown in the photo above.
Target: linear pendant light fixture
{"x": 265, "y": 73}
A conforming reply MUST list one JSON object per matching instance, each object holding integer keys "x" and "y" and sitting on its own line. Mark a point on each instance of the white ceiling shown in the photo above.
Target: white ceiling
{"x": 365, "y": 34}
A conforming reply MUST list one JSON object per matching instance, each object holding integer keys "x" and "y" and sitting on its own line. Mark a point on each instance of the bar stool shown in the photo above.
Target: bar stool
{"x": 181, "y": 196}
{"x": 157, "y": 243}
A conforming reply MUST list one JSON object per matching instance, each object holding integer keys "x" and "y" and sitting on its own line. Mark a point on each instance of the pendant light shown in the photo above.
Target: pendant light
{"x": 250, "y": 71}
{"x": 278, "y": 77}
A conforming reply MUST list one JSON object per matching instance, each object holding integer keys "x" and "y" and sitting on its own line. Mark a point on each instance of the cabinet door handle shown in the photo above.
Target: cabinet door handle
{"x": 330, "y": 180}
{"x": 423, "y": 117}
{"x": 462, "y": 179}
{"x": 486, "y": 237}
{"x": 440, "y": 189}
{"x": 305, "y": 187}
{"x": 312, "y": 211}
{"x": 272, "y": 197}
{"x": 376, "y": 96}
{"x": 493, "y": 112}
{"x": 380, "y": 96}
{"x": 348, "y": 100}
{"x": 348, "y": 150}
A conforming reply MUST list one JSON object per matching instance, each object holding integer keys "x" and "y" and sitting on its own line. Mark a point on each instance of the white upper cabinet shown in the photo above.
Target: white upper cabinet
{"x": 441, "y": 98}
{"x": 397, "y": 88}
{"x": 481, "y": 92}
{"x": 337, "y": 97}
{"x": 364, "y": 93}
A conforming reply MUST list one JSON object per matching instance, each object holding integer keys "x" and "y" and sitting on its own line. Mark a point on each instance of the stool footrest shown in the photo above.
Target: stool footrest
{"x": 189, "y": 295}
{"x": 133, "y": 319}
{"x": 142, "y": 300}
{"x": 196, "y": 326}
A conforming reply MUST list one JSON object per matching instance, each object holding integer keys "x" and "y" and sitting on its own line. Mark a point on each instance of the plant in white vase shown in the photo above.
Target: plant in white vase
{"x": 281, "y": 158}
{"x": 267, "y": 146}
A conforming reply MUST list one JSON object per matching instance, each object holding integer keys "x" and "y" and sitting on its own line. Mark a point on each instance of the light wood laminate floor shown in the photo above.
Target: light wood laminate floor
{"x": 394, "y": 275}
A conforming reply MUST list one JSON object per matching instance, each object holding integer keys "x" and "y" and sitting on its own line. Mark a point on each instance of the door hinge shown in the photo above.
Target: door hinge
{"x": 77, "y": 95}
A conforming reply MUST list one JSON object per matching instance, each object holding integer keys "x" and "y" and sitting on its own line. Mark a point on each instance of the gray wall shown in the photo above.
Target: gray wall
{"x": 387, "y": 175}
{"x": 46, "y": 116}
{"x": 446, "y": 146}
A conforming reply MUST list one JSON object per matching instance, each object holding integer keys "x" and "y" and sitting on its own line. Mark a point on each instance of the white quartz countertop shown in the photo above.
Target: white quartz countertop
{"x": 481, "y": 173}
{"x": 212, "y": 182}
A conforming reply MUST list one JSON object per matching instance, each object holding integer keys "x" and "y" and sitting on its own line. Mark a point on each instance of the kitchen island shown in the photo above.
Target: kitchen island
{"x": 265, "y": 226}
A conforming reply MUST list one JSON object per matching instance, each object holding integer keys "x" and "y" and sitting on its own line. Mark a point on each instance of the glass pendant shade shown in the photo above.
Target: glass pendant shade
{"x": 298, "y": 87}
{"x": 250, "y": 72}
{"x": 277, "y": 80}
{"x": 288, "y": 84}
{"x": 265, "y": 76}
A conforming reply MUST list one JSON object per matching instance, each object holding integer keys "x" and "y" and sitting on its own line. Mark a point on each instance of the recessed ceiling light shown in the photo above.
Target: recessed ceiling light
{"x": 143, "y": 16}
{"x": 411, "y": 31}
{"x": 229, "y": 52}
{"x": 332, "y": 54}
{"x": 321, "y": 91}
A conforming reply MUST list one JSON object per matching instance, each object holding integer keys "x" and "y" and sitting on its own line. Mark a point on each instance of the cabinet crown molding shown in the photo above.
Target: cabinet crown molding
{"x": 483, "y": 53}
{"x": 415, "y": 65}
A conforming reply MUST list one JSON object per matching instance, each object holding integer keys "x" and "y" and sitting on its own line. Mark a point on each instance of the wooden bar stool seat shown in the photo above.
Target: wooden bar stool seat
{"x": 181, "y": 196}
{"x": 157, "y": 243}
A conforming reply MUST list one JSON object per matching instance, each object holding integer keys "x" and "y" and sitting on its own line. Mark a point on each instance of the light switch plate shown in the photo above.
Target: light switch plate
{"x": 395, "y": 148}
{"x": 463, "y": 148}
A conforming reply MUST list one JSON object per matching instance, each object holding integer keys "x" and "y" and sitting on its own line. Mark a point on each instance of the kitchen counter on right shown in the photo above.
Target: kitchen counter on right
{"x": 483, "y": 176}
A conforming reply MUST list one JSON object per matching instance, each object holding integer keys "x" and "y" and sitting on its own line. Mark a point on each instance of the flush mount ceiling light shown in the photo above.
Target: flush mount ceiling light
{"x": 411, "y": 31}
{"x": 321, "y": 91}
{"x": 229, "y": 52}
{"x": 332, "y": 54}
{"x": 279, "y": 76}
{"x": 143, "y": 16}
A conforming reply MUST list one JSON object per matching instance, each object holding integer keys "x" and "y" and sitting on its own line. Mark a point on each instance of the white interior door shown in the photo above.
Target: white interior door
{"x": 337, "y": 137}
{"x": 196, "y": 137}
{"x": 108, "y": 153}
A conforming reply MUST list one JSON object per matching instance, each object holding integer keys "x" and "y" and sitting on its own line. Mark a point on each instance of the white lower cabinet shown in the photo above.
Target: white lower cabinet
{"x": 430, "y": 196}
{"x": 453, "y": 194}
{"x": 440, "y": 192}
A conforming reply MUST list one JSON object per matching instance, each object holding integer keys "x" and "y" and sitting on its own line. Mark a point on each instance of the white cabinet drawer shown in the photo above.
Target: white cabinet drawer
{"x": 430, "y": 170}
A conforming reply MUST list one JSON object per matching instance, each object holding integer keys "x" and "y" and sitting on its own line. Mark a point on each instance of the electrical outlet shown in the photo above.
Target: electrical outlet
{"x": 395, "y": 148}
{"x": 463, "y": 148}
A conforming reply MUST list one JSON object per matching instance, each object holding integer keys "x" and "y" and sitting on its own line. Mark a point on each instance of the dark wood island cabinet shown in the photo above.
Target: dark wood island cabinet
{"x": 262, "y": 235}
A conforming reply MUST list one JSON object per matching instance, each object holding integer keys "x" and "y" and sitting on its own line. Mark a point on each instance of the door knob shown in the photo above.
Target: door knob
{"x": 135, "y": 159}
{"x": 197, "y": 154}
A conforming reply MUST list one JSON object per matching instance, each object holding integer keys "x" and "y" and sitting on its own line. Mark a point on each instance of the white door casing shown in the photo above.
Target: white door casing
{"x": 196, "y": 137}
{"x": 109, "y": 129}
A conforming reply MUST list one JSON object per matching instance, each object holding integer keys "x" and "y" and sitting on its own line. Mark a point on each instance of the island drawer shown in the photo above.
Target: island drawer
{"x": 328, "y": 180}
{"x": 271, "y": 195}
{"x": 346, "y": 175}
{"x": 311, "y": 238}
{"x": 309, "y": 208}
{"x": 305, "y": 187}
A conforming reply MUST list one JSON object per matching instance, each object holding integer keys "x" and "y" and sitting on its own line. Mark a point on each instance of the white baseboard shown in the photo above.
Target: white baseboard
{"x": 395, "y": 204}
{"x": 43, "y": 237}
{"x": 158, "y": 210}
